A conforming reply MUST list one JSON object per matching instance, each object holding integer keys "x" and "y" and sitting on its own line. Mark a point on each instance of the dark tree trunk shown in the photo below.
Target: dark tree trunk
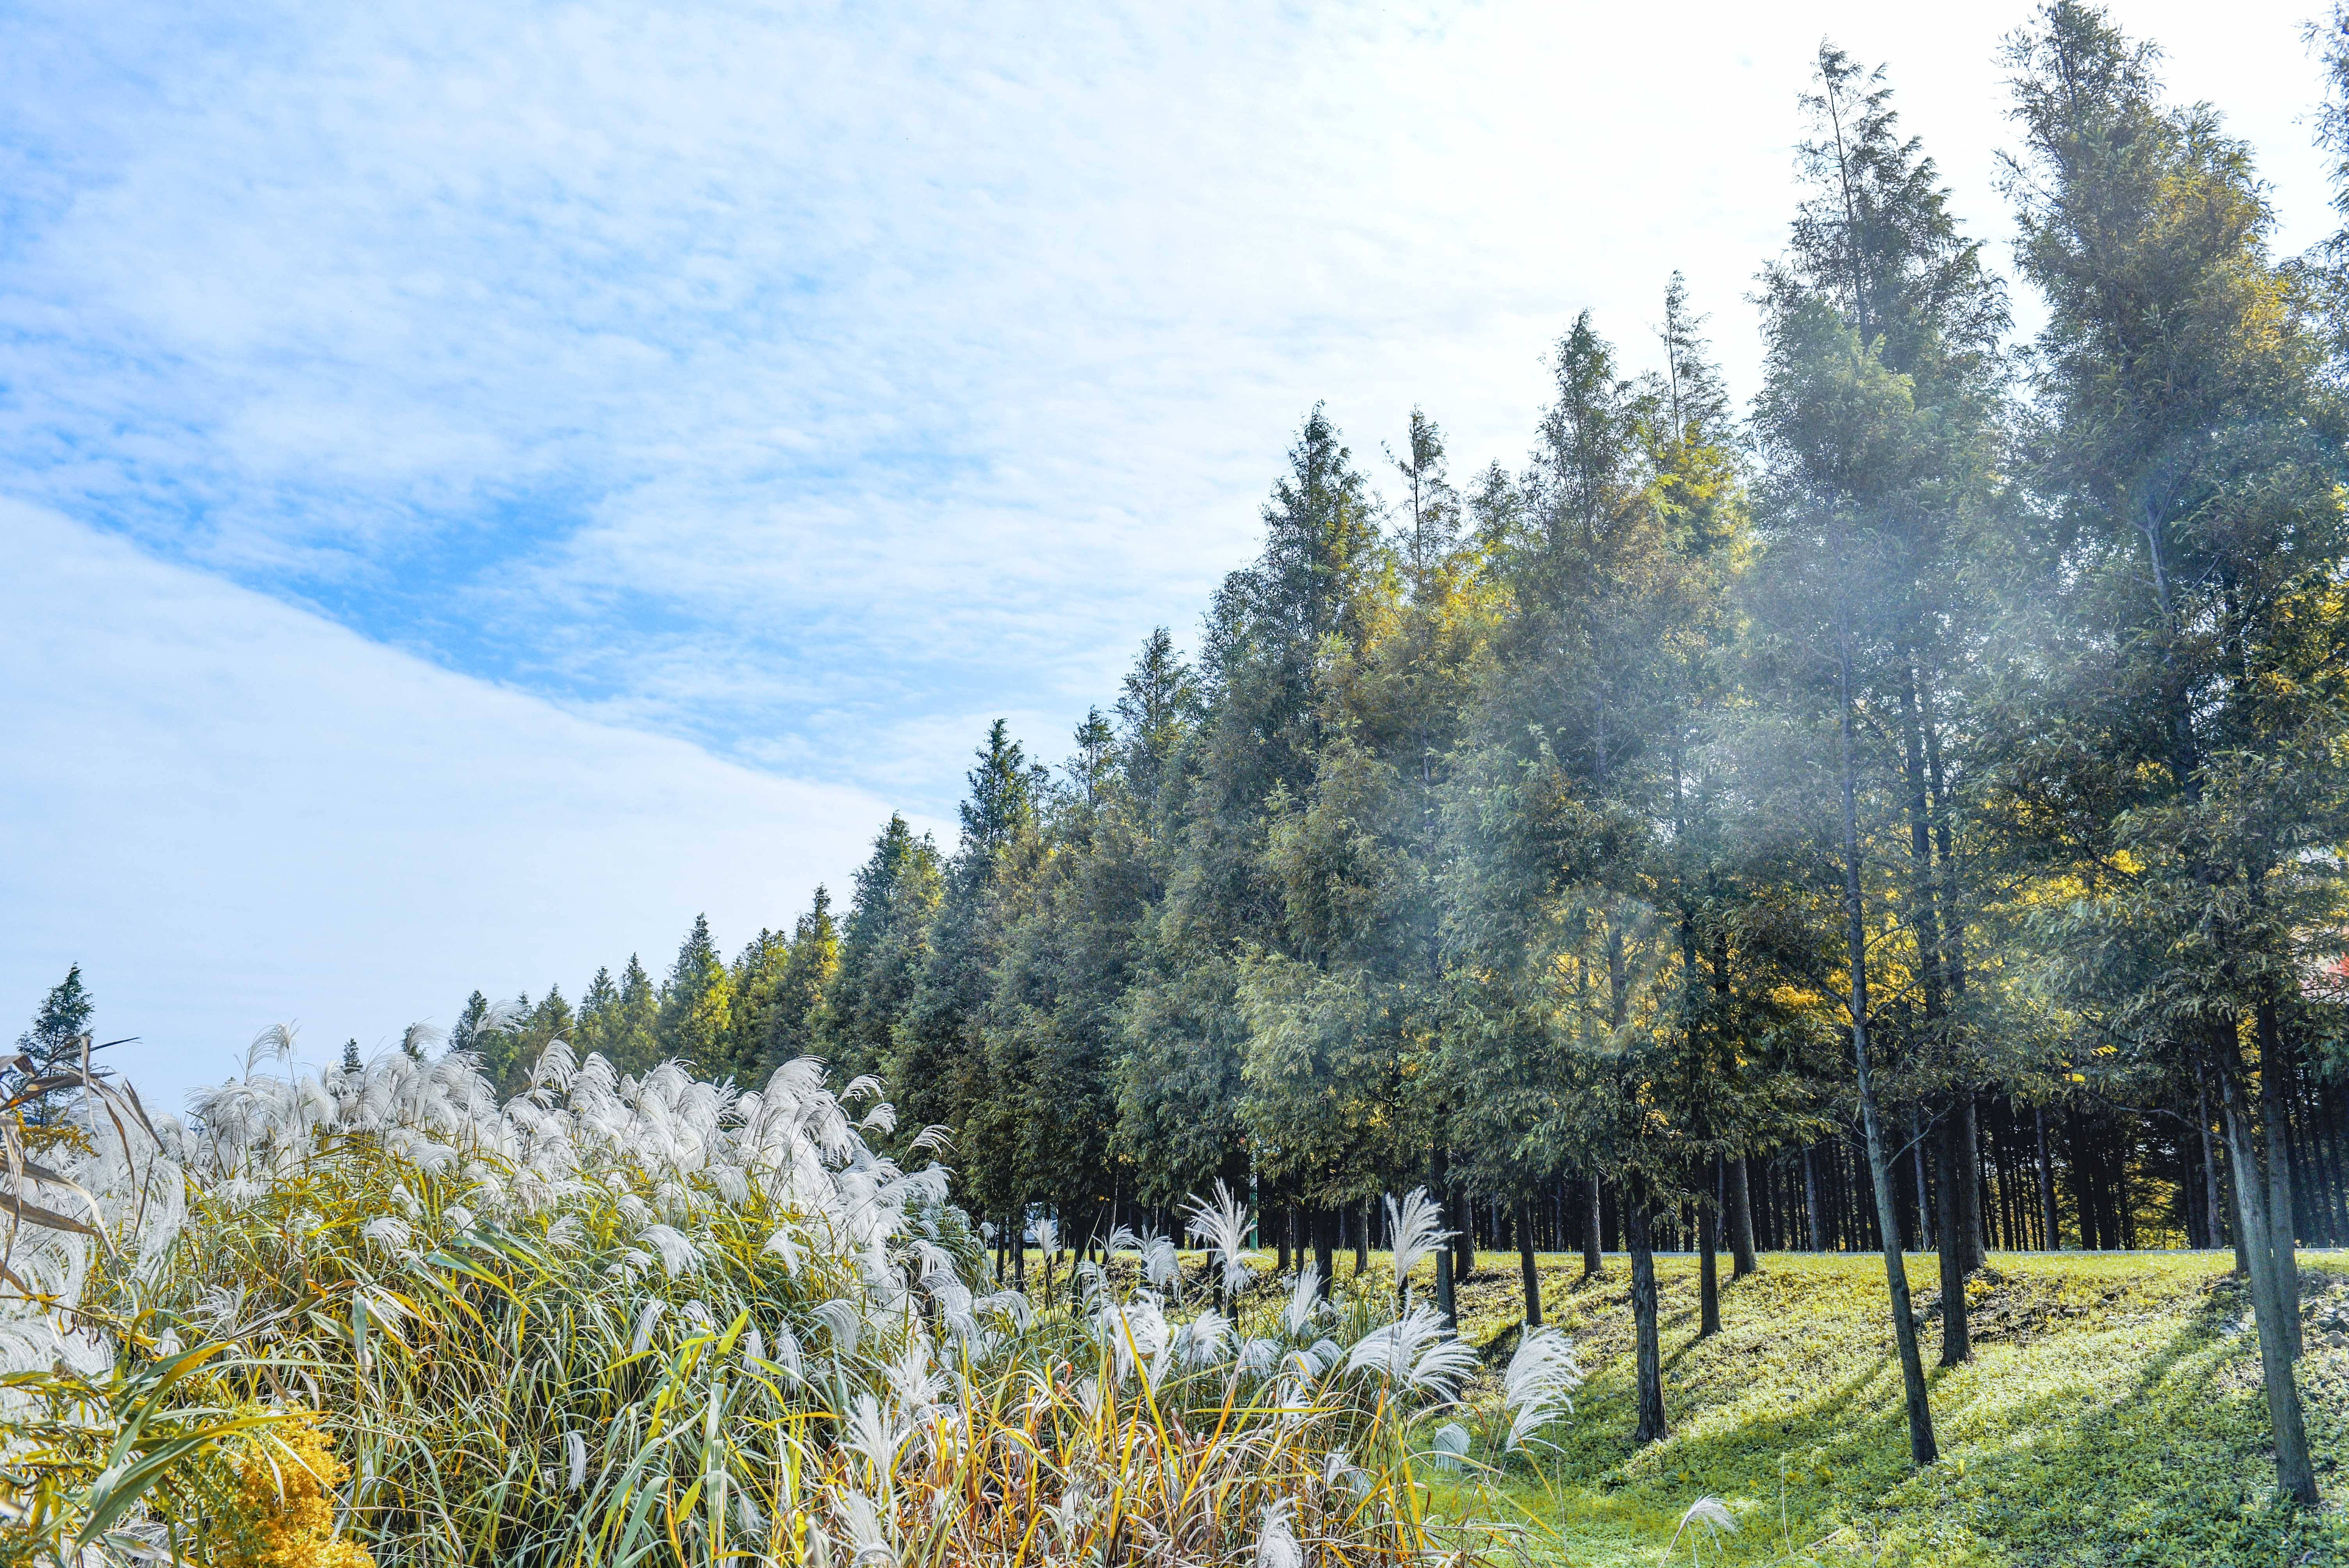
{"x": 1463, "y": 1238}
{"x": 2275, "y": 1076}
{"x": 2211, "y": 1198}
{"x": 1638, "y": 1236}
{"x": 2088, "y": 1176}
{"x": 2295, "y": 1478}
{"x": 1708, "y": 1241}
{"x": 2049, "y": 1237}
{"x": 1445, "y": 1302}
{"x": 1970, "y": 1186}
{"x": 1957, "y": 1338}
{"x": 1916, "y": 1142}
{"x": 1324, "y": 1223}
{"x": 1814, "y": 1211}
{"x": 1922, "y": 1449}
{"x": 1592, "y": 1262}
{"x": 1741, "y": 1221}
{"x": 1525, "y": 1268}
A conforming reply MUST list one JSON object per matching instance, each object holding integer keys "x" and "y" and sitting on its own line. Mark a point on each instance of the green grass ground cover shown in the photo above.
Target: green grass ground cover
{"x": 2111, "y": 1416}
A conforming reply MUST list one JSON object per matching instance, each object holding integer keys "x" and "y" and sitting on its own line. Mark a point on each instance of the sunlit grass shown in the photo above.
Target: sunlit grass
{"x": 2111, "y": 1415}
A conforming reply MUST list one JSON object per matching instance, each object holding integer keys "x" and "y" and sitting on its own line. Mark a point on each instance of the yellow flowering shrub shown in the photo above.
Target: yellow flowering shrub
{"x": 285, "y": 1487}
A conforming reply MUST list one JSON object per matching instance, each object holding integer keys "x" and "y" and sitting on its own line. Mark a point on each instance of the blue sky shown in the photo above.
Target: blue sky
{"x": 628, "y": 451}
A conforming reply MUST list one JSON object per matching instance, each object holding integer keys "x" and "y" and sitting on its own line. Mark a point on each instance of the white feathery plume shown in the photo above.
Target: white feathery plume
{"x": 784, "y": 1245}
{"x": 1012, "y": 1305}
{"x": 845, "y": 1322}
{"x": 1222, "y": 1223}
{"x": 1131, "y": 1332}
{"x": 1536, "y": 1388}
{"x": 1305, "y": 1302}
{"x": 388, "y": 1232}
{"x": 1417, "y": 1226}
{"x": 1160, "y": 1261}
{"x": 646, "y": 1320}
{"x": 1275, "y": 1538}
{"x": 1416, "y": 1352}
{"x": 874, "y": 1434}
{"x": 1709, "y": 1514}
{"x": 860, "y": 1521}
{"x": 1205, "y": 1338}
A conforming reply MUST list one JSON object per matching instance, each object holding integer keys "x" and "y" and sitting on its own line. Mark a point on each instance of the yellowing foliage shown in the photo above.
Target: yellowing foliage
{"x": 286, "y": 1485}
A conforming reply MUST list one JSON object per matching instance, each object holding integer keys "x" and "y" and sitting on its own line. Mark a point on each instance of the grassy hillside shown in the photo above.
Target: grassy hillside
{"x": 2112, "y": 1415}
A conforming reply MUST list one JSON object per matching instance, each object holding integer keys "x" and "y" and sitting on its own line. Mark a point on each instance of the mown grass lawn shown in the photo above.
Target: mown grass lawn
{"x": 2111, "y": 1416}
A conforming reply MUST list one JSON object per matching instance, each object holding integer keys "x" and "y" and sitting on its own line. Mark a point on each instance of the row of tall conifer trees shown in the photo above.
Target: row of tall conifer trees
{"x": 1911, "y": 801}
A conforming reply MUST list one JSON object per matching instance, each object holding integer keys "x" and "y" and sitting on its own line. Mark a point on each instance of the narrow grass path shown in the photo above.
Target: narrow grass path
{"x": 2111, "y": 1416}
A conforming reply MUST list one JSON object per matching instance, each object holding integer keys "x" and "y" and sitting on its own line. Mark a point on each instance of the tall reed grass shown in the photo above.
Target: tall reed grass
{"x": 621, "y": 1321}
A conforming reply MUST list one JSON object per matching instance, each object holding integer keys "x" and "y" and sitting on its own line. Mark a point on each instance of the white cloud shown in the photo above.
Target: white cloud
{"x": 233, "y": 813}
{"x": 798, "y": 377}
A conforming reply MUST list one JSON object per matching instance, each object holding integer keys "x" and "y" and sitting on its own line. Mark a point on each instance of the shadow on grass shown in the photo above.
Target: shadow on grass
{"x": 2135, "y": 1435}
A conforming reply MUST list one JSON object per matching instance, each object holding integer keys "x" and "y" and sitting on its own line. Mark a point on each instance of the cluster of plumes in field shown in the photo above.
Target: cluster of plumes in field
{"x": 615, "y": 1319}
{"x": 1927, "y": 784}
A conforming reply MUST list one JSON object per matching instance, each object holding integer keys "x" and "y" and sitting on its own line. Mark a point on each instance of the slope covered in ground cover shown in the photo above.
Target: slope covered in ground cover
{"x": 2111, "y": 1416}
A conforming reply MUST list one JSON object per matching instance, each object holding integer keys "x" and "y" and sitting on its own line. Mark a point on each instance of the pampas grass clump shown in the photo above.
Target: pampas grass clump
{"x": 623, "y": 1321}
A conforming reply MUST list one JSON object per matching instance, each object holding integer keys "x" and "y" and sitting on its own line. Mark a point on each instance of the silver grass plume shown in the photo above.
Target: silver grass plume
{"x": 1222, "y": 1223}
{"x": 1708, "y": 1513}
{"x": 1536, "y": 1389}
{"x": 1417, "y": 1226}
{"x": 1276, "y": 1540}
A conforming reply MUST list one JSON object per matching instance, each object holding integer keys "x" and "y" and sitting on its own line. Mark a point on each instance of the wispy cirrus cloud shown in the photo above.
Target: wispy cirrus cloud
{"x": 814, "y": 381}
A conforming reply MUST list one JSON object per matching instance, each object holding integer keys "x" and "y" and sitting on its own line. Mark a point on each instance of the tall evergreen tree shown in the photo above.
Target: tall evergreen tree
{"x": 883, "y": 948}
{"x": 697, "y": 1003}
{"x": 597, "y": 1009}
{"x": 53, "y": 1046}
{"x": 793, "y": 1022}
{"x": 629, "y": 1030}
{"x": 1253, "y": 755}
{"x": 936, "y": 1056}
{"x": 2194, "y": 456}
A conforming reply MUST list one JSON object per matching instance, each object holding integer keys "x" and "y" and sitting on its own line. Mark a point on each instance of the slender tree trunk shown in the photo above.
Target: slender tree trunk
{"x": 1814, "y": 1213}
{"x": 1708, "y": 1241}
{"x": 1592, "y": 1261}
{"x": 1741, "y": 1220}
{"x": 1639, "y": 1238}
{"x": 1531, "y": 1276}
{"x": 2275, "y": 1075}
{"x": 1969, "y": 1184}
{"x": 1463, "y": 1238}
{"x": 1923, "y": 1449}
{"x": 1924, "y": 1189}
{"x": 2294, "y": 1476}
{"x": 1957, "y": 1335}
{"x": 2050, "y": 1237}
{"x": 1324, "y": 1221}
{"x": 1445, "y": 1303}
